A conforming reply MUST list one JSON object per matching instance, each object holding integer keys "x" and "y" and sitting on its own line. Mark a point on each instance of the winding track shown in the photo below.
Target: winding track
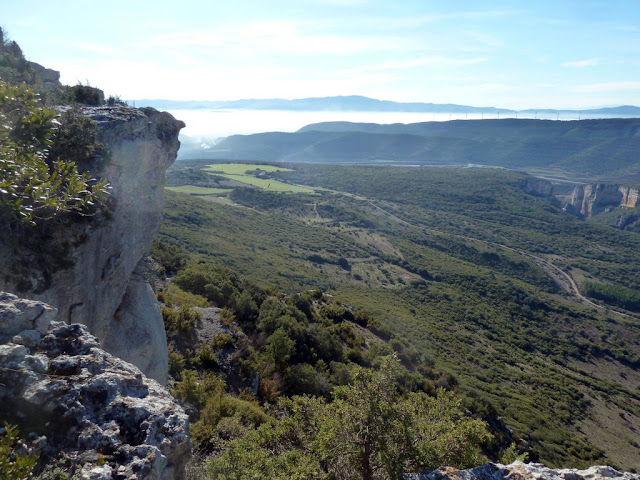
{"x": 562, "y": 278}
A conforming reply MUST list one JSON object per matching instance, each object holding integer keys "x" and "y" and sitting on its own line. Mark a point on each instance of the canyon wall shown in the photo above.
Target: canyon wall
{"x": 590, "y": 199}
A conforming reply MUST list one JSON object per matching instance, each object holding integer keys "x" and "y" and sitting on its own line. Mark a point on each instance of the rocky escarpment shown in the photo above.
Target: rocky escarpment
{"x": 537, "y": 186}
{"x": 521, "y": 471}
{"x": 102, "y": 282}
{"x": 79, "y": 402}
{"x": 591, "y": 199}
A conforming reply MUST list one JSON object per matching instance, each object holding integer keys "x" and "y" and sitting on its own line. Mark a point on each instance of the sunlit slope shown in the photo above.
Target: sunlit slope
{"x": 461, "y": 263}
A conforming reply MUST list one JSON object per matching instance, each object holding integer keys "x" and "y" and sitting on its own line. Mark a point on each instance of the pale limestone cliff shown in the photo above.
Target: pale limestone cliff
{"x": 101, "y": 284}
{"x": 537, "y": 186}
{"x": 593, "y": 198}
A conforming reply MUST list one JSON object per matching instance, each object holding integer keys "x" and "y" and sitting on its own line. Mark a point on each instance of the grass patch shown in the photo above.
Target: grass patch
{"x": 269, "y": 184}
{"x": 195, "y": 190}
{"x": 241, "y": 168}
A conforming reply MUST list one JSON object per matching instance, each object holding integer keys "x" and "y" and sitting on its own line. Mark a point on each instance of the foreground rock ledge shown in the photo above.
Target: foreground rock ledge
{"x": 86, "y": 404}
{"x": 522, "y": 471}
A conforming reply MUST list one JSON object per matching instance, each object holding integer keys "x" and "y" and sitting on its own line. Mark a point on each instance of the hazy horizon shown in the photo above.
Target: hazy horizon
{"x": 552, "y": 53}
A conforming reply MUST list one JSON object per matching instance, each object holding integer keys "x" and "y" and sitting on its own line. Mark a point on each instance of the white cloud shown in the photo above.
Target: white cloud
{"x": 422, "y": 20}
{"x": 343, "y": 3}
{"x": 184, "y": 60}
{"x": 484, "y": 39}
{"x": 276, "y": 37}
{"x": 591, "y": 62}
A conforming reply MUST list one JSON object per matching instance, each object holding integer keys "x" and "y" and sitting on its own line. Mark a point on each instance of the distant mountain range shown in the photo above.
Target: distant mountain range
{"x": 357, "y": 103}
{"x": 605, "y": 148}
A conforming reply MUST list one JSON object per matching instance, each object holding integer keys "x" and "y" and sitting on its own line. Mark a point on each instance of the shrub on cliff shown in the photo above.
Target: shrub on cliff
{"x": 33, "y": 187}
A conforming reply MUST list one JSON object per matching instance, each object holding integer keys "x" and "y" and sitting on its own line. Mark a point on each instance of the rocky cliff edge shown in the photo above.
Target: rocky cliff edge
{"x": 102, "y": 283}
{"x": 590, "y": 199}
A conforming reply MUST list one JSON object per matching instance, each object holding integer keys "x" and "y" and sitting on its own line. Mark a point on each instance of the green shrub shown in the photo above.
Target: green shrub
{"x": 180, "y": 321}
{"x": 85, "y": 95}
{"x": 170, "y": 257}
{"x": 174, "y": 295}
{"x": 222, "y": 340}
{"x": 12, "y": 464}
{"x": 369, "y": 431}
{"x": 30, "y": 188}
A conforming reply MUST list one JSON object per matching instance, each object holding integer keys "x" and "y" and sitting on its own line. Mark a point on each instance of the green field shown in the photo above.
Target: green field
{"x": 237, "y": 172}
{"x": 269, "y": 184}
{"x": 241, "y": 168}
{"x": 195, "y": 190}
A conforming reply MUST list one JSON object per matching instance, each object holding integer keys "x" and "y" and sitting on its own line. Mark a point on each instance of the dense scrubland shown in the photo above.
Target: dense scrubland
{"x": 458, "y": 267}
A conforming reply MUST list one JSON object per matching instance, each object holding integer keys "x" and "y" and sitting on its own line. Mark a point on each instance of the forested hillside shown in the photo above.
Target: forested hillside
{"x": 488, "y": 282}
{"x": 573, "y": 149}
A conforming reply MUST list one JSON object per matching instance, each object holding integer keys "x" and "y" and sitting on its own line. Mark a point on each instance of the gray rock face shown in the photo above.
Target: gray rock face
{"x": 90, "y": 406}
{"x": 132, "y": 336}
{"x": 18, "y": 314}
{"x": 522, "y": 471}
{"x": 537, "y": 186}
{"x": 98, "y": 287}
{"x": 50, "y": 78}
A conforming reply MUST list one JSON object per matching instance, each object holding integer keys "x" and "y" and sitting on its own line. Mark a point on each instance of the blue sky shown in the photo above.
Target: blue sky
{"x": 513, "y": 54}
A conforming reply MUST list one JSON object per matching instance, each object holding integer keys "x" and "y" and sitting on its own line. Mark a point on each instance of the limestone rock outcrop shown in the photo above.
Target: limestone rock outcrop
{"x": 537, "y": 186}
{"x": 522, "y": 471}
{"x": 85, "y": 404}
{"x": 588, "y": 200}
{"x": 102, "y": 283}
{"x": 19, "y": 314}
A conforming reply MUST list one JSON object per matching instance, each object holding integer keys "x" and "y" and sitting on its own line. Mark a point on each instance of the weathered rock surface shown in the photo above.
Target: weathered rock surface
{"x": 537, "y": 186}
{"x": 593, "y": 198}
{"x": 18, "y": 314}
{"x": 522, "y": 471}
{"x": 90, "y": 406}
{"x": 97, "y": 286}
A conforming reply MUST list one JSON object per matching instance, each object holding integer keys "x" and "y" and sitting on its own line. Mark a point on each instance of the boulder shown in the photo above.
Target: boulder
{"x": 19, "y": 314}
{"x": 91, "y": 407}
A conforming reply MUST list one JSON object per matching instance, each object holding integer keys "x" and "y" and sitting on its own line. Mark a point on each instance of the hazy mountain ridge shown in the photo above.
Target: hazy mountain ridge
{"x": 358, "y": 103}
{"x": 603, "y": 149}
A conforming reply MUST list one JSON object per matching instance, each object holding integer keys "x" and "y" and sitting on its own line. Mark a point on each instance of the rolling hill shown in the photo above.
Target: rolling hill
{"x": 586, "y": 149}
